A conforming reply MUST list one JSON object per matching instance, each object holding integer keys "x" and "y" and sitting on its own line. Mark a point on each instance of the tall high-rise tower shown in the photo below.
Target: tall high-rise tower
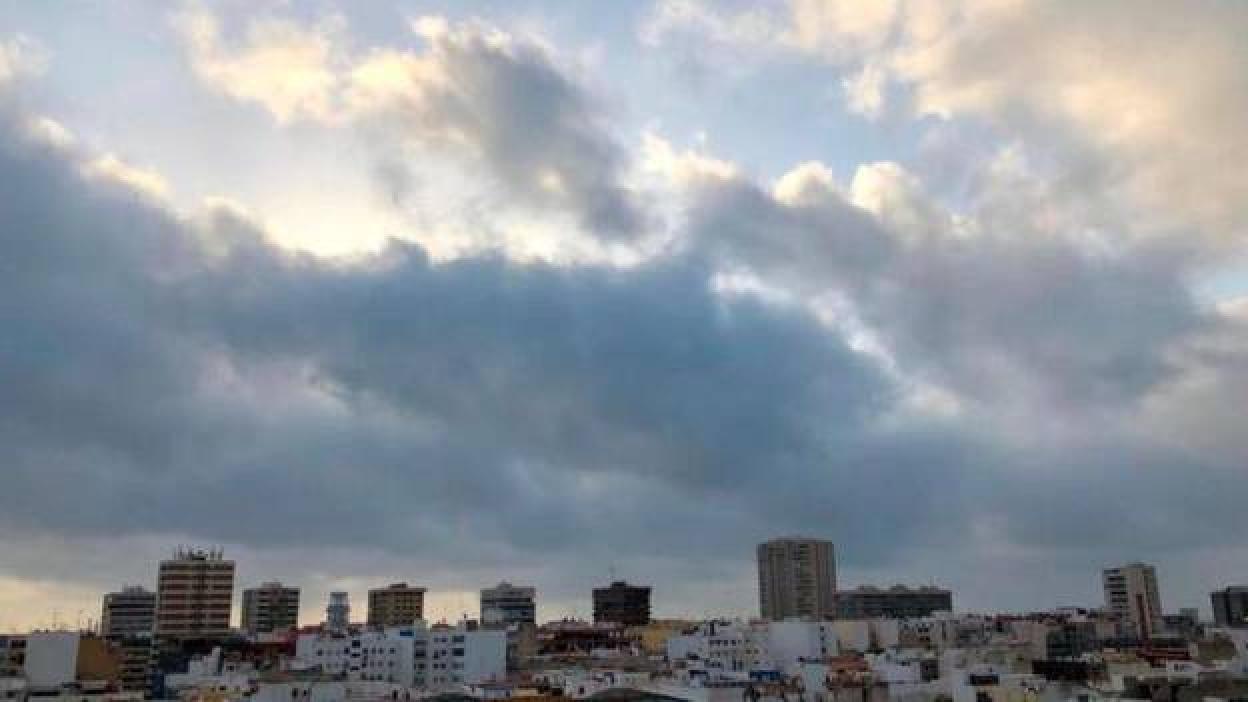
{"x": 338, "y": 612}
{"x": 1131, "y": 593}
{"x": 797, "y": 578}
{"x": 194, "y": 592}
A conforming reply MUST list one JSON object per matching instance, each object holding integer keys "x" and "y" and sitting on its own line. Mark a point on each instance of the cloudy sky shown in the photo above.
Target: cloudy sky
{"x": 545, "y": 291}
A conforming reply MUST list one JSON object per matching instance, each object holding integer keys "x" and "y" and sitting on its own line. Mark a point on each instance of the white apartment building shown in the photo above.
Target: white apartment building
{"x": 734, "y": 647}
{"x": 371, "y": 655}
{"x": 51, "y": 658}
{"x": 418, "y": 656}
{"x": 329, "y": 691}
{"x": 944, "y": 630}
{"x": 208, "y": 676}
{"x": 724, "y": 646}
{"x": 460, "y": 655}
{"x": 792, "y": 641}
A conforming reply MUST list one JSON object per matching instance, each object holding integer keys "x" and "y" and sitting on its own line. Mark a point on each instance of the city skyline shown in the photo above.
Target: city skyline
{"x": 314, "y": 613}
{"x": 563, "y": 293}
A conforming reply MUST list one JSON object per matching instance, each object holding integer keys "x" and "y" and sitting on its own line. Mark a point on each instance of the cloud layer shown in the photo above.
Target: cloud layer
{"x": 1003, "y": 388}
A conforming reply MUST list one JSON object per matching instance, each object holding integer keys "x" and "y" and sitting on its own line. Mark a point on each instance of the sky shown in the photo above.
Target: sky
{"x": 556, "y": 292}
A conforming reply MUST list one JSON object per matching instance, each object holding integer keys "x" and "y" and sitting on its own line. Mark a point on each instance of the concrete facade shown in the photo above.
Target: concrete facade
{"x": 195, "y": 592}
{"x": 506, "y": 604}
{"x": 1131, "y": 592}
{"x": 797, "y": 578}
{"x": 1230, "y": 606}
{"x": 272, "y": 607}
{"x": 399, "y": 604}
{"x": 128, "y": 612}
{"x": 896, "y": 602}
{"x": 621, "y": 603}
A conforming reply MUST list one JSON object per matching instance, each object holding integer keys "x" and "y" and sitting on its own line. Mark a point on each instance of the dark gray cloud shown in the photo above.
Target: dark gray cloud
{"x": 540, "y": 134}
{"x": 164, "y": 377}
{"x": 167, "y": 379}
{"x": 1030, "y": 318}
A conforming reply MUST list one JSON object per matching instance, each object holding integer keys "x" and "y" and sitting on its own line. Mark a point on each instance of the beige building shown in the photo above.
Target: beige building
{"x": 399, "y": 604}
{"x": 797, "y": 578}
{"x": 194, "y": 593}
{"x": 652, "y": 638}
{"x": 1131, "y": 593}
{"x": 98, "y": 659}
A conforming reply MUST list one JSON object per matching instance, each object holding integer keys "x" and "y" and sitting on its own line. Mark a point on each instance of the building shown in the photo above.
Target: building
{"x": 338, "y": 611}
{"x": 269, "y": 608}
{"x": 791, "y": 641}
{"x": 212, "y": 677}
{"x": 98, "y": 660}
{"x": 46, "y": 661}
{"x": 574, "y": 637}
{"x": 136, "y": 662}
{"x": 1184, "y": 625}
{"x": 194, "y": 593}
{"x": 507, "y": 604}
{"x": 130, "y": 612}
{"x": 896, "y": 602}
{"x": 763, "y": 647}
{"x": 437, "y": 657}
{"x": 12, "y": 655}
{"x": 1230, "y": 606}
{"x": 722, "y": 647}
{"x": 652, "y": 638}
{"x": 796, "y": 578}
{"x": 1131, "y": 593}
{"x": 621, "y": 603}
{"x": 399, "y": 604}
{"x": 1070, "y": 640}
{"x": 129, "y": 620}
{"x": 51, "y": 658}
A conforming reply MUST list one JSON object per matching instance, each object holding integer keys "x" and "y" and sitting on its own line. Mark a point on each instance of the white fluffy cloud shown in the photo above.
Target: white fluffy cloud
{"x": 20, "y": 56}
{"x": 142, "y": 180}
{"x": 495, "y": 100}
{"x": 1139, "y": 101}
{"x": 294, "y": 71}
{"x": 839, "y": 31}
